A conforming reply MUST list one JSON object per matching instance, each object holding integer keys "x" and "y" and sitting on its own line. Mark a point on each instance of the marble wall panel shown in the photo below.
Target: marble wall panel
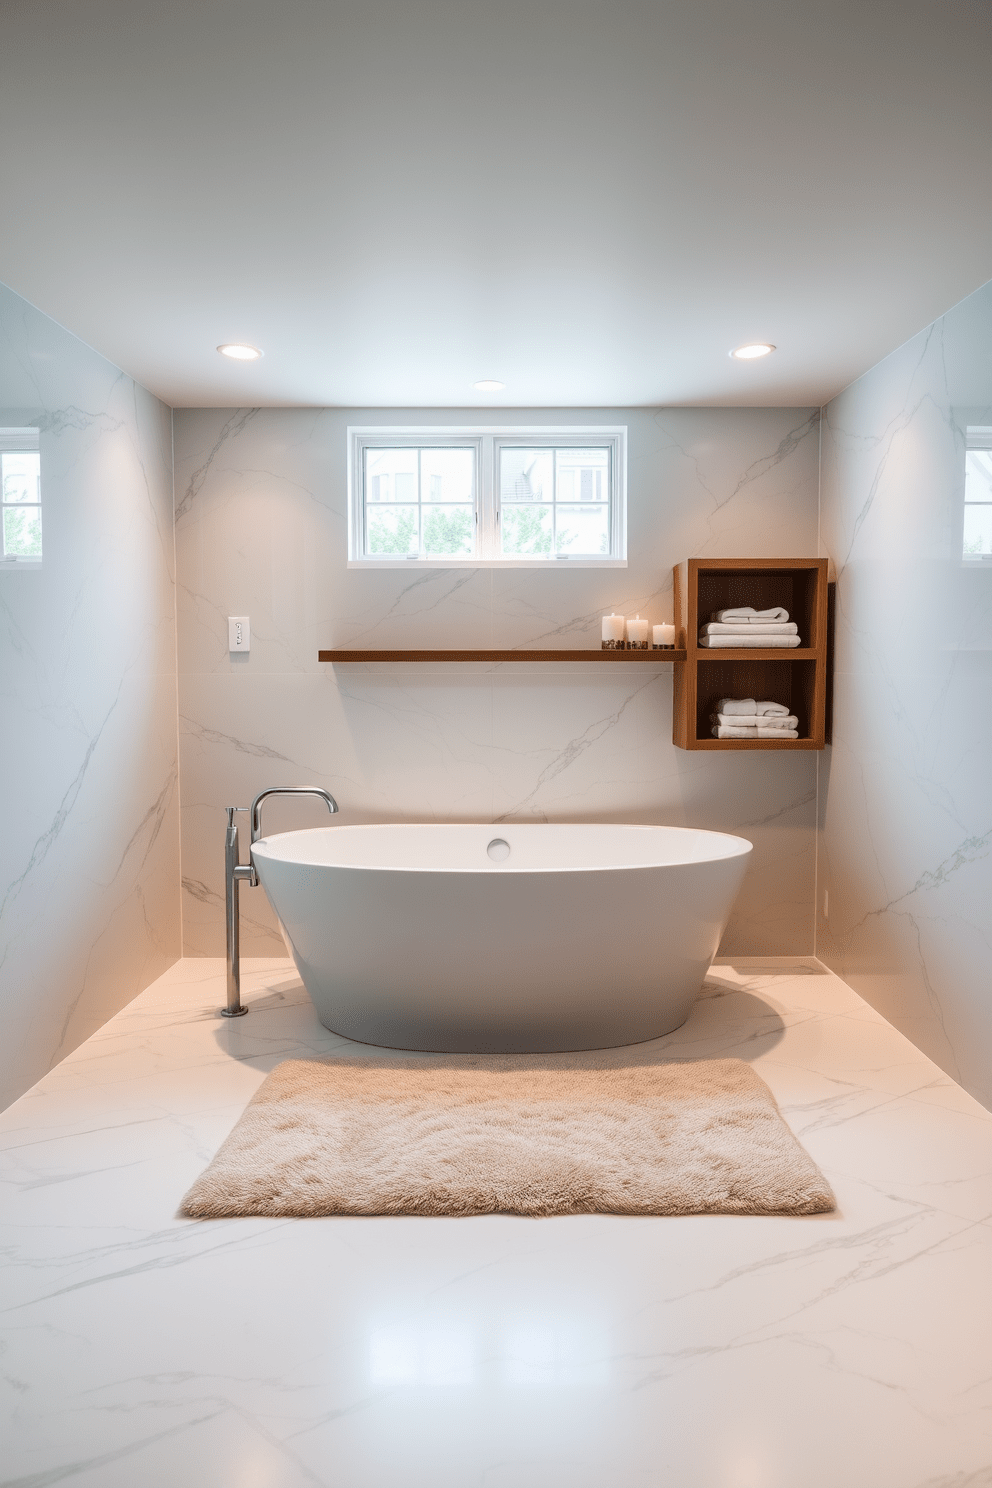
{"x": 906, "y": 790}
{"x": 89, "y": 847}
{"x": 261, "y": 529}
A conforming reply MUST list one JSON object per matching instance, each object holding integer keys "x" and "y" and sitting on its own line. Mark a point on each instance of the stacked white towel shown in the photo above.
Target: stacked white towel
{"x": 748, "y": 705}
{"x": 745, "y": 615}
{"x": 750, "y": 627}
{"x": 756, "y": 720}
{"x": 724, "y": 732}
{"x": 745, "y": 718}
{"x": 780, "y": 627}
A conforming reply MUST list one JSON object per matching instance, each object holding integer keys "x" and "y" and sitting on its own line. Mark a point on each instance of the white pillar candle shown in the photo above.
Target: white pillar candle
{"x": 637, "y": 632}
{"x": 664, "y": 635}
{"x": 613, "y": 628}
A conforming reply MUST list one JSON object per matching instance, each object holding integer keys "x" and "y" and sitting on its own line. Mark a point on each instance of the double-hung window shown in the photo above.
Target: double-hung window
{"x": 977, "y": 544}
{"x": 20, "y": 497}
{"x": 484, "y": 498}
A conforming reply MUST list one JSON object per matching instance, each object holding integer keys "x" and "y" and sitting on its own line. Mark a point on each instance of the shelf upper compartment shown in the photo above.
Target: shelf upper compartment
{"x": 650, "y": 658}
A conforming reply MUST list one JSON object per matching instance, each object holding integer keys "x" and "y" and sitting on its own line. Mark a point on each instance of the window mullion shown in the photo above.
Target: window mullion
{"x": 554, "y": 503}
{"x": 481, "y": 523}
{"x": 489, "y": 498}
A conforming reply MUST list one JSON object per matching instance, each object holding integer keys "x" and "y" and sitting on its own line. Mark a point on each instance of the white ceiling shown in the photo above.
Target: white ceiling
{"x": 591, "y": 201}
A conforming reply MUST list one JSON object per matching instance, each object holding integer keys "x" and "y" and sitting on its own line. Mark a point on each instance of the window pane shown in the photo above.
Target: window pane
{"x": 583, "y": 475}
{"x": 978, "y": 475}
{"x": 21, "y": 475}
{"x": 526, "y": 530}
{"x": 392, "y": 531}
{"x": 583, "y": 531}
{"x": 447, "y": 474}
{"x": 390, "y": 475}
{"x": 449, "y": 531}
{"x": 526, "y": 475}
{"x": 977, "y": 530}
{"x": 22, "y": 531}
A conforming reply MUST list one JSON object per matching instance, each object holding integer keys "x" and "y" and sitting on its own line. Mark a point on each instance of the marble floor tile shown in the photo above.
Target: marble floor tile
{"x": 140, "y": 1348}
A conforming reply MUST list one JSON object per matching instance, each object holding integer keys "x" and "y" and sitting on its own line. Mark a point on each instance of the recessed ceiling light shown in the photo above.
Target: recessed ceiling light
{"x": 239, "y": 351}
{"x": 756, "y": 349}
{"x": 488, "y": 385}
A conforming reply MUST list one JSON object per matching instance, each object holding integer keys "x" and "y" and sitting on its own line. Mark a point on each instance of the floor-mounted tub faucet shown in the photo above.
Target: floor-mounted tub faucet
{"x": 237, "y": 873}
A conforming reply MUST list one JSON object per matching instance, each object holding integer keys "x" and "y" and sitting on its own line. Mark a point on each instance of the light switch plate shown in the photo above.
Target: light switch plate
{"x": 238, "y": 633}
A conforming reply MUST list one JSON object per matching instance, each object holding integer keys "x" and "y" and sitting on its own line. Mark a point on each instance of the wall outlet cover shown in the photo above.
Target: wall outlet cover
{"x": 238, "y": 633}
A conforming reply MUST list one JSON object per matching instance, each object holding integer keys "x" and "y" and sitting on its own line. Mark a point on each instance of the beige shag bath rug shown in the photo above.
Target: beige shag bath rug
{"x": 517, "y": 1134}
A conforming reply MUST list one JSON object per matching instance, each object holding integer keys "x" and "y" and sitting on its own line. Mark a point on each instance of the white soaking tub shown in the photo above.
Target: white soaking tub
{"x": 511, "y": 939}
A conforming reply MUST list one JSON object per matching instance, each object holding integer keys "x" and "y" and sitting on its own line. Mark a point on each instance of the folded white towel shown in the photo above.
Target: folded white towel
{"x": 751, "y": 641}
{"x": 748, "y": 705}
{"x": 757, "y": 720}
{"x": 722, "y": 731}
{"x": 757, "y": 627}
{"x": 748, "y": 614}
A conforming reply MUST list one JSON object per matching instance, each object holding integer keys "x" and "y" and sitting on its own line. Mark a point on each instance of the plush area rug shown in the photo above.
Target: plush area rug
{"x": 518, "y": 1134}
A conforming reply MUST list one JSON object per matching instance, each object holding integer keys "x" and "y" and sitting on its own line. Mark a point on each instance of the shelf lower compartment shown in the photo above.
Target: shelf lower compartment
{"x": 788, "y": 678}
{"x": 650, "y": 658}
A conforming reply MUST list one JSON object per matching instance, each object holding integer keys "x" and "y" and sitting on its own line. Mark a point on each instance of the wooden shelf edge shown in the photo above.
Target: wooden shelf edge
{"x": 652, "y": 658}
{"x": 720, "y": 744}
{"x": 759, "y": 653}
{"x": 756, "y": 565}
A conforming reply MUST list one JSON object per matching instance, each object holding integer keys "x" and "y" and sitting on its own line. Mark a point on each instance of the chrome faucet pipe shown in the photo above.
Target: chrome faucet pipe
{"x": 286, "y": 790}
{"x": 236, "y": 873}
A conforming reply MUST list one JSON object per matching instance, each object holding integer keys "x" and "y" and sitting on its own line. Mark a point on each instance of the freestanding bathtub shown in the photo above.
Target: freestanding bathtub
{"x": 509, "y": 939}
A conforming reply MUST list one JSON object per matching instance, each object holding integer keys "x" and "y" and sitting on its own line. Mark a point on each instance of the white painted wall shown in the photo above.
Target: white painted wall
{"x": 262, "y": 530}
{"x": 89, "y": 826}
{"x": 906, "y": 790}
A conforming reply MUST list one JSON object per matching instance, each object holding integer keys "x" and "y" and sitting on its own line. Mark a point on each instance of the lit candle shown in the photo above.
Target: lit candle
{"x": 664, "y": 637}
{"x": 637, "y": 634}
{"x": 613, "y": 632}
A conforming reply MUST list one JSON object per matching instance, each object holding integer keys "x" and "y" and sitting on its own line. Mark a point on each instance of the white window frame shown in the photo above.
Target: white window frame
{"x": 16, "y": 441}
{"x": 487, "y": 442}
{"x": 977, "y": 437}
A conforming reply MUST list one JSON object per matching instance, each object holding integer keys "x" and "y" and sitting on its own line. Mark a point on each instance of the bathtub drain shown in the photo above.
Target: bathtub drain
{"x": 498, "y": 850}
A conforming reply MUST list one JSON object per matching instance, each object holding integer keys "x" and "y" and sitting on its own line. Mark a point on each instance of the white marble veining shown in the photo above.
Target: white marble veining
{"x": 262, "y": 530}
{"x": 89, "y": 841}
{"x": 496, "y": 1352}
{"x": 906, "y": 791}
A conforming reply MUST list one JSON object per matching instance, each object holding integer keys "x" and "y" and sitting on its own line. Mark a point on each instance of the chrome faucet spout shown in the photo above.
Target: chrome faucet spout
{"x": 286, "y": 790}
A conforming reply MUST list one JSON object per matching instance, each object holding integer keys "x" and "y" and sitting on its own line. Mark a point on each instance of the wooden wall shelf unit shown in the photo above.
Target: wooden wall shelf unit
{"x": 796, "y": 677}
{"x": 651, "y": 658}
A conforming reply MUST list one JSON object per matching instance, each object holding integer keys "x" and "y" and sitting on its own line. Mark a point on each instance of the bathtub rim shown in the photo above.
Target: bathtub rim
{"x": 735, "y": 847}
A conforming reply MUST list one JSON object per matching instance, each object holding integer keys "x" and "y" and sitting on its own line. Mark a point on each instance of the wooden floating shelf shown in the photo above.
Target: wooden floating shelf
{"x": 721, "y": 744}
{"x": 795, "y": 676}
{"x": 651, "y": 658}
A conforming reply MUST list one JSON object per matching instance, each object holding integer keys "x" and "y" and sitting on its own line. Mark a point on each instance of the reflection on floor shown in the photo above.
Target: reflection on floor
{"x": 146, "y": 1351}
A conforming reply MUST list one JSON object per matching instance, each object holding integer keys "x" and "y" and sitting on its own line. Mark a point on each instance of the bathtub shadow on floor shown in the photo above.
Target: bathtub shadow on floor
{"x": 730, "y": 1019}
